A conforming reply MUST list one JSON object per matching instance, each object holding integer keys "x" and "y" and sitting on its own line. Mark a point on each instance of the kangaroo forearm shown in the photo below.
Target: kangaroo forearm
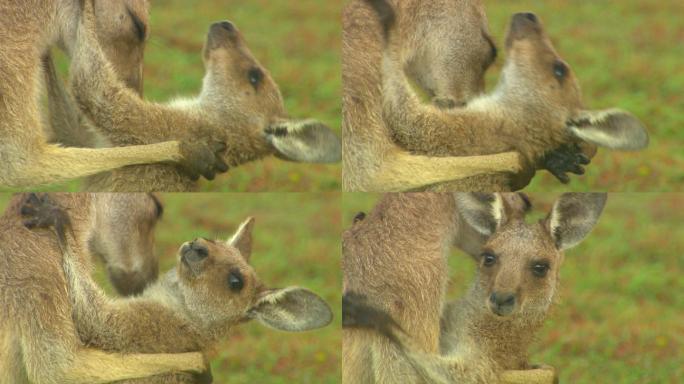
{"x": 55, "y": 164}
{"x": 91, "y": 366}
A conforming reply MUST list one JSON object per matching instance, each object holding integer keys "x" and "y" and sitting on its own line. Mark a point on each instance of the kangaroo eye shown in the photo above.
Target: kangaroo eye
{"x": 488, "y": 259}
{"x": 255, "y": 76}
{"x": 540, "y": 269}
{"x": 560, "y": 70}
{"x": 235, "y": 281}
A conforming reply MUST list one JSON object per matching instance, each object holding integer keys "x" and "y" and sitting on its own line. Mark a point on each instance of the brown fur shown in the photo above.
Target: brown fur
{"x": 403, "y": 230}
{"x": 372, "y": 161}
{"x": 249, "y": 118}
{"x": 481, "y": 340}
{"x": 530, "y": 126}
{"x": 25, "y": 157}
{"x": 38, "y": 338}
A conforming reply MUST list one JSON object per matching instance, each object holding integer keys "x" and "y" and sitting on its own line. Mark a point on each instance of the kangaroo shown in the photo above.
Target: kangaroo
{"x": 396, "y": 256}
{"x": 239, "y": 101}
{"x": 39, "y": 340}
{"x": 372, "y": 160}
{"x": 26, "y": 159}
{"x": 537, "y": 105}
{"x": 486, "y": 334}
{"x": 122, "y": 234}
{"x": 193, "y": 306}
{"x": 122, "y": 30}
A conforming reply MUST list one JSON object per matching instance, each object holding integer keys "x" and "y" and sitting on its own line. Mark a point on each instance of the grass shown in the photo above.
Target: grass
{"x": 298, "y": 42}
{"x": 296, "y": 242}
{"x": 626, "y": 54}
{"x": 618, "y": 319}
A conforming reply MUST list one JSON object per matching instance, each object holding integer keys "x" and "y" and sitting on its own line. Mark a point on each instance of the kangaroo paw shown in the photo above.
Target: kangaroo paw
{"x": 39, "y": 211}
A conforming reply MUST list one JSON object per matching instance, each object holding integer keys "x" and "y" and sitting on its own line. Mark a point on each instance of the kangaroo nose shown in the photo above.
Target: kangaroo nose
{"x": 194, "y": 251}
{"x": 530, "y": 16}
{"x": 227, "y": 25}
{"x": 503, "y": 303}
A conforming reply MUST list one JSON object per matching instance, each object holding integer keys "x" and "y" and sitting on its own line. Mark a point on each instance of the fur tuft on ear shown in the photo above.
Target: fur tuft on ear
{"x": 304, "y": 141}
{"x": 242, "y": 238}
{"x": 573, "y": 216}
{"x": 484, "y": 212}
{"x": 612, "y": 128}
{"x": 291, "y": 309}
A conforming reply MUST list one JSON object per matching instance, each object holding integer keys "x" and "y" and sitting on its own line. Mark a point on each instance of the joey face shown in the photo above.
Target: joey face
{"x": 535, "y": 73}
{"x": 518, "y": 270}
{"x": 236, "y": 84}
{"x": 122, "y": 235}
{"x": 519, "y": 263}
{"x": 449, "y": 47}
{"x": 221, "y": 289}
{"x": 218, "y": 284}
{"x": 122, "y": 30}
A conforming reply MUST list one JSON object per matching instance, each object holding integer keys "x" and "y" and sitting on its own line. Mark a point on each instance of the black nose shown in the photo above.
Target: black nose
{"x": 503, "y": 302}
{"x": 194, "y": 252}
{"x": 531, "y": 17}
{"x": 228, "y": 26}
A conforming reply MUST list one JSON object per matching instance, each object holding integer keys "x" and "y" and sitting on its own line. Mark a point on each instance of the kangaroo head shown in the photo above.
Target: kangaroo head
{"x": 536, "y": 76}
{"x": 221, "y": 288}
{"x": 242, "y": 92}
{"x": 122, "y": 233}
{"x": 446, "y": 45}
{"x": 518, "y": 269}
{"x": 122, "y": 30}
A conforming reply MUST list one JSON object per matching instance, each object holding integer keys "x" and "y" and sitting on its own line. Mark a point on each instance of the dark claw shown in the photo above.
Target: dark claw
{"x": 565, "y": 159}
{"x": 221, "y": 165}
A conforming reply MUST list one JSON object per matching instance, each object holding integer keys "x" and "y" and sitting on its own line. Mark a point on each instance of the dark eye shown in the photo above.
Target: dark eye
{"x": 255, "y": 76}
{"x": 140, "y": 27}
{"x": 560, "y": 70}
{"x": 488, "y": 259}
{"x": 540, "y": 269}
{"x": 235, "y": 281}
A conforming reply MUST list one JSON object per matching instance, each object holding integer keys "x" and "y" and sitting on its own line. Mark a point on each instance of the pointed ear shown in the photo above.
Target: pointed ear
{"x": 573, "y": 216}
{"x": 242, "y": 239}
{"x": 304, "y": 141}
{"x": 291, "y": 309}
{"x": 484, "y": 212}
{"x": 612, "y": 128}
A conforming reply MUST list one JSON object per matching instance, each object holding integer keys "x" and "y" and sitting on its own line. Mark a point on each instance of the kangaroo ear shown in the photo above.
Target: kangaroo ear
{"x": 612, "y": 128}
{"x": 242, "y": 238}
{"x": 484, "y": 212}
{"x": 304, "y": 141}
{"x": 573, "y": 216}
{"x": 291, "y": 309}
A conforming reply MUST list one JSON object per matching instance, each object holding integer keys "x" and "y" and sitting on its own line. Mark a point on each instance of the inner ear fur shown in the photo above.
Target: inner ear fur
{"x": 291, "y": 309}
{"x": 611, "y": 128}
{"x": 304, "y": 141}
{"x": 573, "y": 216}
{"x": 242, "y": 238}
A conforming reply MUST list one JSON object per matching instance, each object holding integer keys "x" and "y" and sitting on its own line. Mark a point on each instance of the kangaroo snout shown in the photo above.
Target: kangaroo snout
{"x": 193, "y": 251}
{"x": 523, "y": 24}
{"x": 223, "y": 28}
{"x": 502, "y": 303}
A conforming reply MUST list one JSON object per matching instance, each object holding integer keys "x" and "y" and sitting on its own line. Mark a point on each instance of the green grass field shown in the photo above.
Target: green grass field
{"x": 298, "y": 42}
{"x": 626, "y": 54}
{"x": 619, "y": 314}
{"x": 296, "y": 242}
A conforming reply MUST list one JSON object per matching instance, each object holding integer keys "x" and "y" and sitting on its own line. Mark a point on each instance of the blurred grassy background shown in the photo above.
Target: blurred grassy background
{"x": 626, "y": 54}
{"x": 619, "y": 314}
{"x": 297, "y": 41}
{"x": 296, "y": 242}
